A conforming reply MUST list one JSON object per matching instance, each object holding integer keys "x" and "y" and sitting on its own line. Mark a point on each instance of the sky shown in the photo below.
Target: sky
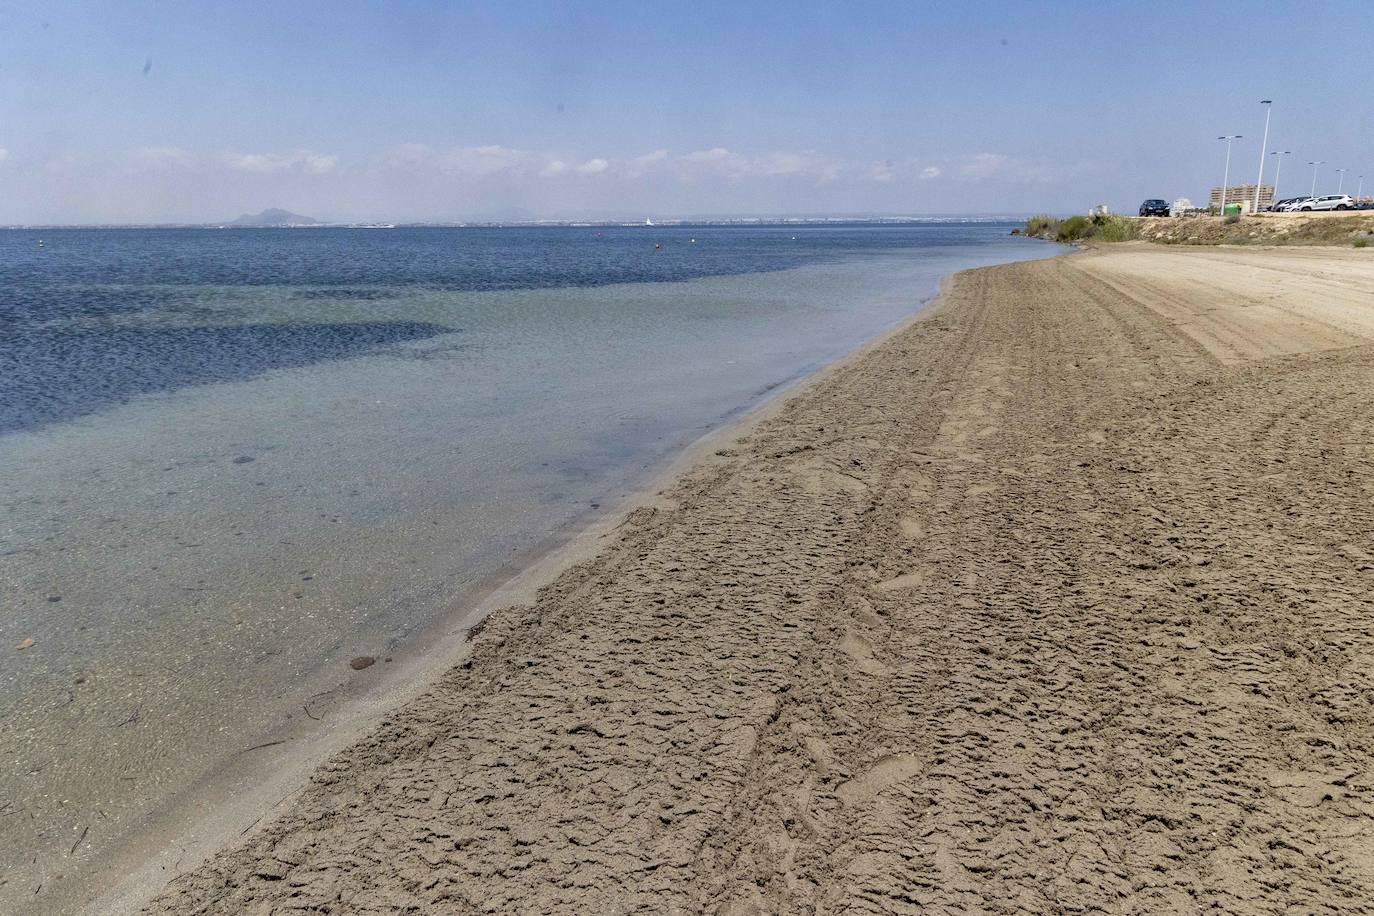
{"x": 138, "y": 111}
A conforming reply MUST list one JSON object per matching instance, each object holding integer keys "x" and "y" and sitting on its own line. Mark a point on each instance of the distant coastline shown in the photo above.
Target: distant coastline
{"x": 665, "y": 222}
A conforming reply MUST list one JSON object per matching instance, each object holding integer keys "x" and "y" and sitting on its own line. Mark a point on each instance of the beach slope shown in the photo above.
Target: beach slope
{"x": 1059, "y": 600}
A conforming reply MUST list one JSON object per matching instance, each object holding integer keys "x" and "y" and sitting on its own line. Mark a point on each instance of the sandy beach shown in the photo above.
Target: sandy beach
{"x": 1061, "y": 599}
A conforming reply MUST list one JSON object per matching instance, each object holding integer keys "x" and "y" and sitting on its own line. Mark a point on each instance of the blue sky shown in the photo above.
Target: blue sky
{"x": 190, "y": 111}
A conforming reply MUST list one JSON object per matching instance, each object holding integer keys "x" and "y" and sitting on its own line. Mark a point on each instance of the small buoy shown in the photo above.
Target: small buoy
{"x": 694, "y": 241}
{"x": 657, "y": 246}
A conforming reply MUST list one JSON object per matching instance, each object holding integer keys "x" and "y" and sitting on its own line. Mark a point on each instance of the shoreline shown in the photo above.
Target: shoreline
{"x": 1045, "y": 600}
{"x": 177, "y": 834}
{"x": 371, "y": 459}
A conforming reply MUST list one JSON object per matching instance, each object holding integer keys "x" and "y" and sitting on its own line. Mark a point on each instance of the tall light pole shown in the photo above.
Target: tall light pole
{"x": 1341, "y": 182}
{"x": 1278, "y": 168}
{"x": 1264, "y": 145}
{"x": 1314, "y": 175}
{"x": 1360, "y": 192}
{"x": 1227, "y": 173}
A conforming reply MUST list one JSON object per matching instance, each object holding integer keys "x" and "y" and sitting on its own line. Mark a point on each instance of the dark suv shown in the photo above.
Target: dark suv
{"x": 1154, "y": 207}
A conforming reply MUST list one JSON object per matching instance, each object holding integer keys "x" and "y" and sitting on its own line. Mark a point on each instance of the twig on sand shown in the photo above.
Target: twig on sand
{"x": 258, "y": 747}
{"x": 84, "y": 830}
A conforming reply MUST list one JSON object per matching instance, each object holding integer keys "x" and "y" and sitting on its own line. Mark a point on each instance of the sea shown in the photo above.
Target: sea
{"x": 233, "y": 462}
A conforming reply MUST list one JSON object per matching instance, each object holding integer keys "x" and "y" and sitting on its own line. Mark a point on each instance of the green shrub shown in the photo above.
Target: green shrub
{"x": 1042, "y": 225}
{"x": 1115, "y": 229}
{"x": 1361, "y": 243}
{"x": 1074, "y": 228}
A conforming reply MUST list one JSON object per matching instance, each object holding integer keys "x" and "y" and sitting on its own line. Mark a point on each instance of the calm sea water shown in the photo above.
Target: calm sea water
{"x": 232, "y": 460}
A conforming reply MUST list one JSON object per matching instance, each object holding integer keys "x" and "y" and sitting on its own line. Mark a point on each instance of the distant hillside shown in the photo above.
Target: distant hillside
{"x": 273, "y": 217}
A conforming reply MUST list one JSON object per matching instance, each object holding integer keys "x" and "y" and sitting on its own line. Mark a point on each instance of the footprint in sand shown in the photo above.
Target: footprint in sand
{"x": 860, "y": 651}
{"x": 885, "y": 773}
{"x": 922, "y": 487}
{"x": 982, "y": 489}
{"x": 912, "y": 527}
{"x": 910, "y": 580}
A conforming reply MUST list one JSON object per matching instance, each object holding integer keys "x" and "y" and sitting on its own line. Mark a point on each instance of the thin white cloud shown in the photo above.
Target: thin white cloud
{"x": 930, "y": 172}
{"x": 493, "y": 161}
{"x": 985, "y": 165}
{"x": 486, "y": 160}
{"x": 716, "y": 154}
{"x": 642, "y": 165}
{"x": 804, "y": 165}
{"x": 4, "y": 154}
{"x": 265, "y": 163}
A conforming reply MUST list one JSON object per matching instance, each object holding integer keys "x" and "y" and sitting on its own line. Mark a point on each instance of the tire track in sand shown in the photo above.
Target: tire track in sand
{"x": 1037, "y": 607}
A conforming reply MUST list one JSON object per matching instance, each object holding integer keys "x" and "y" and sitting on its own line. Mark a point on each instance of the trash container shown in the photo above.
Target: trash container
{"x": 1231, "y": 208}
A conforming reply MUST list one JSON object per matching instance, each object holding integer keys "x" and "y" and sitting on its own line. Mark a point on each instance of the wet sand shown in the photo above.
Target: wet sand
{"x": 1059, "y": 600}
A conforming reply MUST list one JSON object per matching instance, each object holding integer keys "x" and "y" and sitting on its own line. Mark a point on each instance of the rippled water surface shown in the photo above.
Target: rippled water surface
{"x": 232, "y": 460}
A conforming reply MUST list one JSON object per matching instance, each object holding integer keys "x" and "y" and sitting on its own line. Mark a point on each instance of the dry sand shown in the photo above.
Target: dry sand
{"x": 1060, "y": 600}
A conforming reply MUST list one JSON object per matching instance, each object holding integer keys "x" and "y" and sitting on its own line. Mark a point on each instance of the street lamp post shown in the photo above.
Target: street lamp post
{"x": 1314, "y": 175}
{"x": 1360, "y": 192}
{"x": 1227, "y": 173}
{"x": 1264, "y": 144}
{"x": 1278, "y": 168}
{"x": 1341, "y": 182}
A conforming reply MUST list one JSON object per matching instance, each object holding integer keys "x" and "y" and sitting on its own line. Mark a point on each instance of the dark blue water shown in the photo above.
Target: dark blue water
{"x": 95, "y": 317}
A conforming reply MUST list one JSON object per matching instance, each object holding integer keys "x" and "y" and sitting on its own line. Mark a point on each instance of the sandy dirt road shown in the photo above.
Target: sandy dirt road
{"x": 1059, "y": 601}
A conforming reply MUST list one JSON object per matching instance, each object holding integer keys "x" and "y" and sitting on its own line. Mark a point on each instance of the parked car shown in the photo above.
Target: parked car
{"x": 1279, "y": 206}
{"x": 1296, "y": 203}
{"x": 1329, "y": 202}
{"x": 1154, "y": 207}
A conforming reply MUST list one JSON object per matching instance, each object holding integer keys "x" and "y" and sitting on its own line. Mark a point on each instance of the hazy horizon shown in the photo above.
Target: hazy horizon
{"x": 514, "y": 219}
{"x": 420, "y": 112}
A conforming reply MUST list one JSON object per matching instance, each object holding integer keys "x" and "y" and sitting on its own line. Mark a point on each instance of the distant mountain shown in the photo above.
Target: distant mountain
{"x": 273, "y": 217}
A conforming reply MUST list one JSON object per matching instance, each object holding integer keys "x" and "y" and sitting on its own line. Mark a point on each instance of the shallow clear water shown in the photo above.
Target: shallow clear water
{"x": 231, "y": 460}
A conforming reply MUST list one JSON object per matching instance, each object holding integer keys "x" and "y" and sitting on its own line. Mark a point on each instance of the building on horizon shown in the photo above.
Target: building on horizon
{"x": 1244, "y": 194}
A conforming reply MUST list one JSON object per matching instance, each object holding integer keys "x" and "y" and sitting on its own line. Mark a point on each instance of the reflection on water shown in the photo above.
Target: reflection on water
{"x": 232, "y": 461}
